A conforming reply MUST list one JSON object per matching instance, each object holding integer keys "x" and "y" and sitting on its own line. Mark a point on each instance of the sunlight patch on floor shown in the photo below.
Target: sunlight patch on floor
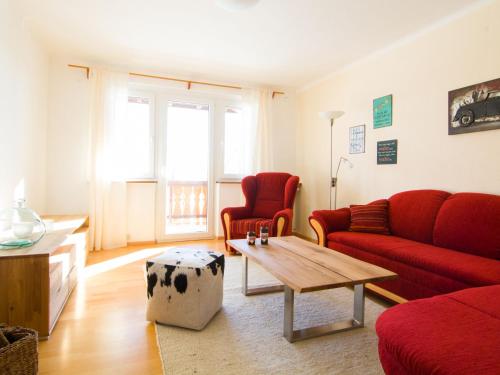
{"x": 114, "y": 263}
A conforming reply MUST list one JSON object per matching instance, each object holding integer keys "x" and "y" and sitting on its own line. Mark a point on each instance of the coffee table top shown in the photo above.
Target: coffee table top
{"x": 306, "y": 267}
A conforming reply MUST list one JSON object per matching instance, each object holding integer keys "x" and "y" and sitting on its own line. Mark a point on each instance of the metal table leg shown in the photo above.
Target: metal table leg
{"x": 301, "y": 334}
{"x": 255, "y": 290}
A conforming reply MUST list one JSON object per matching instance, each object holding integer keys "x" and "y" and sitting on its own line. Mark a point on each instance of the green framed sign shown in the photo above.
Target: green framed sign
{"x": 387, "y": 152}
{"x": 382, "y": 112}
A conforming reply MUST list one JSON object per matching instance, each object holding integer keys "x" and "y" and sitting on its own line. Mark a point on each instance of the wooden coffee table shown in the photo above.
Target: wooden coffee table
{"x": 306, "y": 267}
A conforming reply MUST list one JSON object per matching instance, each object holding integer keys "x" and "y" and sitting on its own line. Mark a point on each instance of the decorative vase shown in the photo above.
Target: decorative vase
{"x": 20, "y": 226}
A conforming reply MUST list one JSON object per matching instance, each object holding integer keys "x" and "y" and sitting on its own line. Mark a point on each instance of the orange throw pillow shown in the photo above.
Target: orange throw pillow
{"x": 370, "y": 218}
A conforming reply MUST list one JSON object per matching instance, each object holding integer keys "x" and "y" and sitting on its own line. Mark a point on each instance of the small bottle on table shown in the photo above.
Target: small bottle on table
{"x": 264, "y": 235}
{"x": 251, "y": 237}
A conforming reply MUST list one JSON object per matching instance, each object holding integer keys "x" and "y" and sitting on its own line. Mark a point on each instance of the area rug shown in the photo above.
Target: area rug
{"x": 246, "y": 336}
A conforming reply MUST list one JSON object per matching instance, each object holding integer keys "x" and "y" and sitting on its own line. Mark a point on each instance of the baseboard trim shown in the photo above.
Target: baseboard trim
{"x": 304, "y": 237}
{"x": 141, "y": 243}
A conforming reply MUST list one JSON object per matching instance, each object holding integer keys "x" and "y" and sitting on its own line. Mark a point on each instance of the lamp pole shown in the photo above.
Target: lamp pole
{"x": 332, "y": 183}
{"x": 331, "y": 115}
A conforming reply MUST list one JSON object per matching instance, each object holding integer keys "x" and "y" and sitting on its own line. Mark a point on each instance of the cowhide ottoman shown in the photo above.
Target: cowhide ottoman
{"x": 184, "y": 287}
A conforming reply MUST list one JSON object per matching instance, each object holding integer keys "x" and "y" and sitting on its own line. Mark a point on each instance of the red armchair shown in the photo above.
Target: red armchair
{"x": 269, "y": 202}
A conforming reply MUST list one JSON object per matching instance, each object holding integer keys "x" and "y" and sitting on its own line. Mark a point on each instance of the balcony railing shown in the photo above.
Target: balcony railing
{"x": 187, "y": 206}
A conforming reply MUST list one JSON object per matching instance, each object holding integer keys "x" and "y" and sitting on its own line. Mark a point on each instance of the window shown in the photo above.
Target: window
{"x": 138, "y": 138}
{"x": 236, "y": 143}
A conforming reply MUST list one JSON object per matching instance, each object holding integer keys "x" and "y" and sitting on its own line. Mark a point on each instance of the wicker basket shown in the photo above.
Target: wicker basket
{"x": 20, "y": 357}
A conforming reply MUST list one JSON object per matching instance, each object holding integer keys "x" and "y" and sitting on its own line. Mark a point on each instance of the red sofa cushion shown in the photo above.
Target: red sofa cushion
{"x": 412, "y": 282}
{"x": 470, "y": 222}
{"x": 412, "y": 213}
{"x": 269, "y": 194}
{"x": 370, "y": 218}
{"x": 450, "y": 334}
{"x": 241, "y": 227}
{"x": 467, "y": 268}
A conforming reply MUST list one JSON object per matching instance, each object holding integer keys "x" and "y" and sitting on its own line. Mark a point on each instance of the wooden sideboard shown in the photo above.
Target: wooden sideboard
{"x": 36, "y": 282}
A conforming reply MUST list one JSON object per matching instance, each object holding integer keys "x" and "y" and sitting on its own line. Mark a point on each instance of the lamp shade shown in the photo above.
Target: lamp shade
{"x": 330, "y": 115}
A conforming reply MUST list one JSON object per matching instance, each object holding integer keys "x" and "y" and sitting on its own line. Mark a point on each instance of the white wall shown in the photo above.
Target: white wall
{"x": 141, "y": 198}
{"x": 23, "y": 103}
{"x": 68, "y": 139}
{"x": 419, "y": 74}
{"x": 284, "y": 132}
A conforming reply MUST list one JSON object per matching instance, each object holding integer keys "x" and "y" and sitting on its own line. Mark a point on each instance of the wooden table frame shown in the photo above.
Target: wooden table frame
{"x": 290, "y": 247}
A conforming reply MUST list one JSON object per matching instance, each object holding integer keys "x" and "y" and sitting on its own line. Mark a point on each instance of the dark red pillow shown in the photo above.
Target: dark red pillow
{"x": 370, "y": 218}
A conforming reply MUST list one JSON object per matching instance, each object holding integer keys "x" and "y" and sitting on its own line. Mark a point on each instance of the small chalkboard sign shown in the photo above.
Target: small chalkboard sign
{"x": 387, "y": 152}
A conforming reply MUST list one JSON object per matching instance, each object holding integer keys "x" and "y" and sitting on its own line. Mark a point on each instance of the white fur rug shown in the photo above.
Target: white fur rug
{"x": 246, "y": 336}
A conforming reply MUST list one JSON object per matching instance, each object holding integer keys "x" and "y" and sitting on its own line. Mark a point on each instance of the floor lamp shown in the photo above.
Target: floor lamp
{"x": 335, "y": 180}
{"x": 332, "y": 116}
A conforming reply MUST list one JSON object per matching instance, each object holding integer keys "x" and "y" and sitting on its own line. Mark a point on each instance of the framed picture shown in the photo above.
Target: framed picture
{"x": 382, "y": 112}
{"x": 357, "y": 139}
{"x": 474, "y": 108}
{"x": 387, "y": 152}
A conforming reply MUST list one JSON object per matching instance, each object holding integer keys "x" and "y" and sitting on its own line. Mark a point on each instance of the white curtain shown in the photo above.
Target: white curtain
{"x": 260, "y": 116}
{"x": 108, "y": 190}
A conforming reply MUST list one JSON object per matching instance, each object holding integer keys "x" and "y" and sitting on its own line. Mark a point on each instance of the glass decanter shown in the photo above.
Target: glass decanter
{"x": 20, "y": 226}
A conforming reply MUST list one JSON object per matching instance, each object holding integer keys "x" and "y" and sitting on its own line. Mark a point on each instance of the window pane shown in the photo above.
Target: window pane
{"x": 187, "y": 168}
{"x": 137, "y": 139}
{"x": 235, "y": 142}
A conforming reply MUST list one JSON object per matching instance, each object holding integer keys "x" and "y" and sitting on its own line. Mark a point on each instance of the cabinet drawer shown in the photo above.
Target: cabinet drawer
{"x": 58, "y": 295}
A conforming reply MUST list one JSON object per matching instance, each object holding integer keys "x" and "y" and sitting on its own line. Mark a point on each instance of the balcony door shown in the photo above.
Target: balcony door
{"x": 185, "y": 196}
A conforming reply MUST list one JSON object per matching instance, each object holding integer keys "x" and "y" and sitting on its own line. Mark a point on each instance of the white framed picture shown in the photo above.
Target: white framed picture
{"x": 357, "y": 139}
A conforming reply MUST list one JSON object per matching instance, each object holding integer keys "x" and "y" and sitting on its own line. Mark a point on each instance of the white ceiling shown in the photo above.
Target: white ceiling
{"x": 277, "y": 42}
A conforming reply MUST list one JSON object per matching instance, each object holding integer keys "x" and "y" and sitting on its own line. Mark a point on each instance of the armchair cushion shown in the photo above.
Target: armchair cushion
{"x": 270, "y": 194}
{"x": 240, "y": 227}
{"x": 236, "y": 212}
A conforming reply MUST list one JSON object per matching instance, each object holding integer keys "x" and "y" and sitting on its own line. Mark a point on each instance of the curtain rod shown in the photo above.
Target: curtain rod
{"x": 189, "y": 82}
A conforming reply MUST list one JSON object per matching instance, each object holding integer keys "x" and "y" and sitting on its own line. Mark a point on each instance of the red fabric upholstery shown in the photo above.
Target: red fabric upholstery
{"x": 268, "y": 198}
{"x": 241, "y": 227}
{"x": 270, "y": 194}
{"x": 390, "y": 365}
{"x": 412, "y": 213}
{"x": 450, "y": 334}
{"x": 470, "y": 222}
{"x": 470, "y": 269}
{"x": 370, "y": 218}
{"x": 333, "y": 220}
{"x": 464, "y": 226}
{"x": 412, "y": 283}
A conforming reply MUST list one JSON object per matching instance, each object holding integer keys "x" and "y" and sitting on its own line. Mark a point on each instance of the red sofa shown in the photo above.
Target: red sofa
{"x": 269, "y": 202}
{"x": 439, "y": 242}
{"x": 457, "y": 333}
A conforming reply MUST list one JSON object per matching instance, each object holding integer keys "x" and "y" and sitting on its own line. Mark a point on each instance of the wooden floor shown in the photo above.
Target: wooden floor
{"x": 102, "y": 329}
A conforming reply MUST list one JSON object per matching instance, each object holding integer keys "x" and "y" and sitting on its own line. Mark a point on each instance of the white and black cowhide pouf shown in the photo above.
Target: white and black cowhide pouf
{"x": 184, "y": 287}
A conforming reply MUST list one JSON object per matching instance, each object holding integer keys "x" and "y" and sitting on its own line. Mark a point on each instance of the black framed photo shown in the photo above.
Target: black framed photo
{"x": 474, "y": 108}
